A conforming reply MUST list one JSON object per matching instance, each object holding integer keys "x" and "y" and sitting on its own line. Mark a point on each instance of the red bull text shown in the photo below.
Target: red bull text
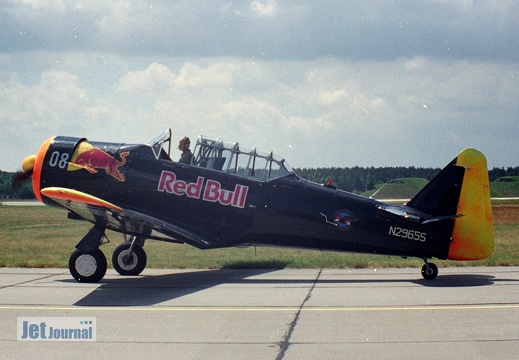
{"x": 211, "y": 192}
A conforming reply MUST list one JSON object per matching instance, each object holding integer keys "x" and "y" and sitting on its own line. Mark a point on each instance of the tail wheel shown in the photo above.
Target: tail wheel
{"x": 429, "y": 271}
{"x": 129, "y": 263}
{"x": 87, "y": 267}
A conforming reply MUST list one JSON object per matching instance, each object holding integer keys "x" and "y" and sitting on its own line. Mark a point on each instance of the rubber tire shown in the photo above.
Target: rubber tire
{"x": 87, "y": 267}
{"x": 429, "y": 271}
{"x": 121, "y": 254}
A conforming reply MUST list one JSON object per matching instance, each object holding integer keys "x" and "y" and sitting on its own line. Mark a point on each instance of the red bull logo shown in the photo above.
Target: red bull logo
{"x": 92, "y": 158}
{"x": 211, "y": 192}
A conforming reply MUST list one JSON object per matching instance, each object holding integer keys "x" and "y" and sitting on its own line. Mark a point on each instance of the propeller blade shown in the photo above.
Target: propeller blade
{"x": 22, "y": 176}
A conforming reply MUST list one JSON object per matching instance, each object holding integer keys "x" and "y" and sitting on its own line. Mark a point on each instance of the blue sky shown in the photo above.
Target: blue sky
{"x": 322, "y": 83}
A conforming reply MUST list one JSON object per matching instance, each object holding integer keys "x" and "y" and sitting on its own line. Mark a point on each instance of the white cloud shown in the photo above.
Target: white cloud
{"x": 155, "y": 77}
{"x": 215, "y": 75}
{"x": 357, "y": 30}
{"x": 263, "y": 8}
{"x": 368, "y": 83}
{"x": 56, "y": 94}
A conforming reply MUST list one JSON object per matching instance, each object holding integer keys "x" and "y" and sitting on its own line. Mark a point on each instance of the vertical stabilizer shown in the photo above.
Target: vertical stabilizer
{"x": 473, "y": 234}
{"x": 461, "y": 191}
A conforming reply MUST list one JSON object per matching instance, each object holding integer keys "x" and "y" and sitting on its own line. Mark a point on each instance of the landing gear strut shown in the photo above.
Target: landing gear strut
{"x": 429, "y": 270}
{"x": 87, "y": 263}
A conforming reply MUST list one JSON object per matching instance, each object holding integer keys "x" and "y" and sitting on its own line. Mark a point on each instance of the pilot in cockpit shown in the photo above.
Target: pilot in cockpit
{"x": 183, "y": 145}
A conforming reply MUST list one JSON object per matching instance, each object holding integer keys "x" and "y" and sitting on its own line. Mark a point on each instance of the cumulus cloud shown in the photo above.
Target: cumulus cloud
{"x": 154, "y": 78}
{"x": 263, "y": 8}
{"x": 267, "y": 28}
{"x": 338, "y": 84}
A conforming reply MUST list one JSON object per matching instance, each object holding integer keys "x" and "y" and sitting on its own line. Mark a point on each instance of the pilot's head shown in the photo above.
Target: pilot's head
{"x": 184, "y": 143}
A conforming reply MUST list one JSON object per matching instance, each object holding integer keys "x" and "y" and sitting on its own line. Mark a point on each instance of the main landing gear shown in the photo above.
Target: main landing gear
{"x": 429, "y": 270}
{"x": 87, "y": 267}
{"x": 88, "y": 264}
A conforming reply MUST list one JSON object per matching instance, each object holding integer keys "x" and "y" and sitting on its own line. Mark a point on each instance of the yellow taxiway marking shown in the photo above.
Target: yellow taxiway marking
{"x": 259, "y": 309}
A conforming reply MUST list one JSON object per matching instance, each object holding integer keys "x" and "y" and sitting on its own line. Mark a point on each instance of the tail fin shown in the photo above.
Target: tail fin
{"x": 461, "y": 191}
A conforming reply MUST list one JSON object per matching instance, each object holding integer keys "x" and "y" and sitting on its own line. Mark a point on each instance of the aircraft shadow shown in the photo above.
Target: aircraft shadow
{"x": 458, "y": 280}
{"x": 155, "y": 289}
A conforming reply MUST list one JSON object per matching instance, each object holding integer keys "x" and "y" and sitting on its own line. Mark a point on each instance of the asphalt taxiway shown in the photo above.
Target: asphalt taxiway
{"x": 466, "y": 313}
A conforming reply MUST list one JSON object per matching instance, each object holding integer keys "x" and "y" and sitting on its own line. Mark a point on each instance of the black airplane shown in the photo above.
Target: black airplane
{"x": 228, "y": 195}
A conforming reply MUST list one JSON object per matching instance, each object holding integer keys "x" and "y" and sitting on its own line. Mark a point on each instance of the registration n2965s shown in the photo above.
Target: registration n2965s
{"x": 407, "y": 233}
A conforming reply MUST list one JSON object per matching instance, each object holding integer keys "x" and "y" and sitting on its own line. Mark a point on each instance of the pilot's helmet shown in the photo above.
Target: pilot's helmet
{"x": 184, "y": 143}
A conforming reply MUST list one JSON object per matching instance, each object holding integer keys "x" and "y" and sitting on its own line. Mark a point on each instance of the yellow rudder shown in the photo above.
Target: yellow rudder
{"x": 473, "y": 233}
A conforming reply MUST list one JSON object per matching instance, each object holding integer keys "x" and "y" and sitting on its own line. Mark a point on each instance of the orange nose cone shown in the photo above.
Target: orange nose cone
{"x": 28, "y": 163}
{"x": 38, "y": 163}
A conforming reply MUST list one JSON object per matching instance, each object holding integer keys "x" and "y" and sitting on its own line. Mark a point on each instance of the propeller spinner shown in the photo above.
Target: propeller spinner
{"x": 28, "y": 164}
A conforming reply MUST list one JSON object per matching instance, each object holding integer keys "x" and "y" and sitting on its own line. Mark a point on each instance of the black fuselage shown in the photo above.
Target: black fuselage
{"x": 217, "y": 209}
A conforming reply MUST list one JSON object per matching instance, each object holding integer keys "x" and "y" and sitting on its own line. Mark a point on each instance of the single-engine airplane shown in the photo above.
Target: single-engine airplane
{"x": 234, "y": 196}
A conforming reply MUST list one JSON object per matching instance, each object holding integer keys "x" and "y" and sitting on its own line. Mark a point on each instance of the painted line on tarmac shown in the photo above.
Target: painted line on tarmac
{"x": 262, "y": 309}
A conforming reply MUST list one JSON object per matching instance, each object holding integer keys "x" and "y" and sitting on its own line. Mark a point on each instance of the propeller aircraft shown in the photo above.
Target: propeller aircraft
{"x": 229, "y": 195}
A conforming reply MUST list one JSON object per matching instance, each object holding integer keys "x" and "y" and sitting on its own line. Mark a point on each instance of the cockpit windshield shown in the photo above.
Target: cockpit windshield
{"x": 161, "y": 145}
{"x": 231, "y": 158}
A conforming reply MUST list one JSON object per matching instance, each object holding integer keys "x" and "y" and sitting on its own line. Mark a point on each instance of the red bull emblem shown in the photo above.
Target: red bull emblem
{"x": 92, "y": 158}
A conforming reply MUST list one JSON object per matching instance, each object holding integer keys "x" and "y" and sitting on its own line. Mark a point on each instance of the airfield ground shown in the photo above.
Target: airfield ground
{"x": 324, "y": 312}
{"x": 466, "y": 313}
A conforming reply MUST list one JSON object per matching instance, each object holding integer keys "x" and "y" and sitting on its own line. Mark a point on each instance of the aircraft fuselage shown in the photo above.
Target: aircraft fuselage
{"x": 216, "y": 209}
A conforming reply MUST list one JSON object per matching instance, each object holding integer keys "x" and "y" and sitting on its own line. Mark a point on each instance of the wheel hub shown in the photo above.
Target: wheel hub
{"x": 126, "y": 260}
{"x": 86, "y": 265}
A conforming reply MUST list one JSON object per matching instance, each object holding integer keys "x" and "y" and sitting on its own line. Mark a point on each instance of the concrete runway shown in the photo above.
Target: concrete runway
{"x": 466, "y": 313}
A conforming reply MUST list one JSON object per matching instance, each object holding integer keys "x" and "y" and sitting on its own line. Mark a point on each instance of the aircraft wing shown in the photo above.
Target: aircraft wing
{"x": 114, "y": 217}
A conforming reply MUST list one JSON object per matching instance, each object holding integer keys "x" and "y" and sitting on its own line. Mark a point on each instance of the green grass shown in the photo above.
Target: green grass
{"x": 398, "y": 188}
{"x": 40, "y": 236}
{"x": 406, "y": 188}
{"x": 505, "y": 187}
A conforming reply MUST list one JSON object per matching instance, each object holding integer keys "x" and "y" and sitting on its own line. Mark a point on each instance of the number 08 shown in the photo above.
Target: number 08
{"x": 58, "y": 159}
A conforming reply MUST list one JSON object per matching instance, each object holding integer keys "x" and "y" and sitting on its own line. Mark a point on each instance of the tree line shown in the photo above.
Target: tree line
{"x": 7, "y": 190}
{"x": 360, "y": 179}
{"x": 356, "y": 179}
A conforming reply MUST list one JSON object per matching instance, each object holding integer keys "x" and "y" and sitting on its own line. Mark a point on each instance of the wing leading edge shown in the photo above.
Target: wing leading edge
{"x": 114, "y": 217}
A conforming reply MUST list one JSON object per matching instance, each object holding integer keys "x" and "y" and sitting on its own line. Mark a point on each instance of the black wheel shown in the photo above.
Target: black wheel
{"x": 129, "y": 264}
{"x": 429, "y": 271}
{"x": 87, "y": 267}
